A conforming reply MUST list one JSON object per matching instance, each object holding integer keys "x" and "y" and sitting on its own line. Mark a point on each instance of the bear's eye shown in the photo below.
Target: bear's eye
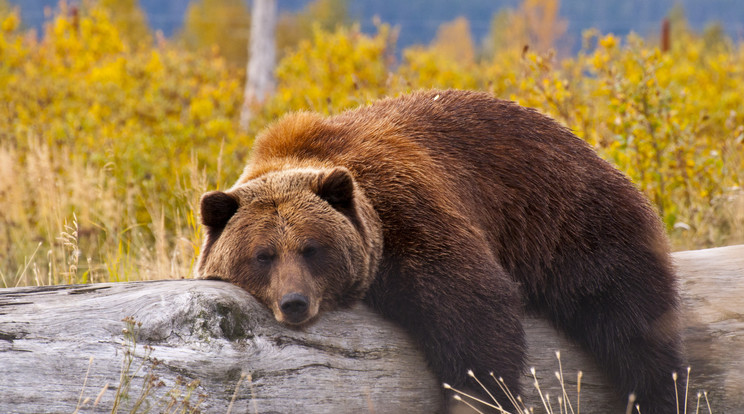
{"x": 264, "y": 257}
{"x": 309, "y": 252}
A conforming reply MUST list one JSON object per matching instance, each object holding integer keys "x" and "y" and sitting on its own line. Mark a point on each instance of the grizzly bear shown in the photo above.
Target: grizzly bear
{"x": 450, "y": 212}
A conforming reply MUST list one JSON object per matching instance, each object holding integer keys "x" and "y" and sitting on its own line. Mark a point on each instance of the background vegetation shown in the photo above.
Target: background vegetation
{"x": 109, "y": 133}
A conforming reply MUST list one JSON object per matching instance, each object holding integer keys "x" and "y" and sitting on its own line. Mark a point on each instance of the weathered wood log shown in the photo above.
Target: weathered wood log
{"x": 349, "y": 361}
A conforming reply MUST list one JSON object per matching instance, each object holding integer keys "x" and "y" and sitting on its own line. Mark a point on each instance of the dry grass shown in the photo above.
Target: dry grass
{"x": 105, "y": 149}
{"x": 563, "y": 403}
{"x": 153, "y": 395}
{"x": 65, "y": 222}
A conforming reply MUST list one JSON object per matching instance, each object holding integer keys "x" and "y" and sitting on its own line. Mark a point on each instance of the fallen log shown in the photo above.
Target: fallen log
{"x": 67, "y": 348}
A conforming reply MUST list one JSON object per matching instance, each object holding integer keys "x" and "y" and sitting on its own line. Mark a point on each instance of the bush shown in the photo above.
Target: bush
{"x": 105, "y": 148}
{"x": 118, "y": 138}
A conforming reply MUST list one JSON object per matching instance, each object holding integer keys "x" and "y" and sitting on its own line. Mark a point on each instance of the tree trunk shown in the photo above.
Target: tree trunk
{"x": 262, "y": 58}
{"x": 348, "y": 361}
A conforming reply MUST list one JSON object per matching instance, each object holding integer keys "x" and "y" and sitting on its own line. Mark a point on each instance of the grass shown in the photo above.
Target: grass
{"x": 138, "y": 362}
{"x": 78, "y": 225}
{"x": 181, "y": 398}
{"x": 64, "y": 221}
{"x": 249, "y": 378}
{"x": 75, "y": 227}
{"x": 564, "y": 404}
{"x": 114, "y": 143}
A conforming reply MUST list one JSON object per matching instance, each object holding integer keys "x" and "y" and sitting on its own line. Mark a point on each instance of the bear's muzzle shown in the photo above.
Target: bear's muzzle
{"x": 294, "y": 307}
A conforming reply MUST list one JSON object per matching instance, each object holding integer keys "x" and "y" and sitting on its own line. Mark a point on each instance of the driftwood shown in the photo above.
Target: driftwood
{"x": 349, "y": 361}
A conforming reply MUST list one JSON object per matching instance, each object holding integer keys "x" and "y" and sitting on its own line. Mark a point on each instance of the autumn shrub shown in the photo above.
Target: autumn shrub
{"x": 672, "y": 121}
{"x": 112, "y": 138}
{"x": 105, "y": 148}
{"x": 333, "y": 71}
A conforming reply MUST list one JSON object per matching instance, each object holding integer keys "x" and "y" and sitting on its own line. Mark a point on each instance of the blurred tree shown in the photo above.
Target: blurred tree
{"x": 129, "y": 20}
{"x": 454, "y": 41}
{"x": 535, "y": 24}
{"x": 544, "y": 24}
{"x": 505, "y": 33}
{"x": 221, "y": 23}
{"x": 260, "y": 81}
{"x": 715, "y": 38}
{"x": 678, "y": 22}
{"x": 326, "y": 14}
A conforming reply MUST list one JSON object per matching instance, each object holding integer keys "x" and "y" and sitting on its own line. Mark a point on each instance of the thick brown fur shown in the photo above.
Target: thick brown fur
{"x": 448, "y": 212}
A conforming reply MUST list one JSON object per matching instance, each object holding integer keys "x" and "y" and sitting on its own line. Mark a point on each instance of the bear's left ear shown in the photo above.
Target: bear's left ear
{"x": 336, "y": 187}
{"x": 217, "y": 208}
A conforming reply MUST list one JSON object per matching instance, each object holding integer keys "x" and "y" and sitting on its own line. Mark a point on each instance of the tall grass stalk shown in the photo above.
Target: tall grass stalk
{"x": 564, "y": 400}
{"x": 89, "y": 232}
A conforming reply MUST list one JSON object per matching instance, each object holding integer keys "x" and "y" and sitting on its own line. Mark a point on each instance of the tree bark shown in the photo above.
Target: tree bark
{"x": 262, "y": 58}
{"x": 348, "y": 361}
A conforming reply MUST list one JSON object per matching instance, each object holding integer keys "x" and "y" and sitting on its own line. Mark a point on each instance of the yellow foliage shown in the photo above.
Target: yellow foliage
{"x": 292, "y": 28}
{"x": 673, "y": 122}
{"x": 10, "y": 22}
{"x": 116, "y": 136}
{"x": 221, "y": 24}
{"x": 333, "y": 71}
{"x": 453, "y": 40}
{"x": 427, "y": 68}
{"x": 105, "y": 148}
{"x": 535, "y": 24}
{"x": 542, "y": 21}
{"x": 667, "y": 120}
{"x": 129, "y": 20}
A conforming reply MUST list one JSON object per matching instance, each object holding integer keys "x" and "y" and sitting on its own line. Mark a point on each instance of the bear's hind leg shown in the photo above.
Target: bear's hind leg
{"x": 628, "y": 321}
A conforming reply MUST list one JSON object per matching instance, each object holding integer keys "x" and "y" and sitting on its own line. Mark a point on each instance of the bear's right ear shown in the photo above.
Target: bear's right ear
{"x": 217, "y": 208}
{"x": 336, "y": 187}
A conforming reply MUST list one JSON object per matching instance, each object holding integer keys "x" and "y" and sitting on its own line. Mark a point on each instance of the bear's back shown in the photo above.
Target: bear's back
{"x": 533, "y": 189}
{"x": 484, "y": 205}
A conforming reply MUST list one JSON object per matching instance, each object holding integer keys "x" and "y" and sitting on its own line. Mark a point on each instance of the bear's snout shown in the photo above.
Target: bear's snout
{"x": 294, "y": 307}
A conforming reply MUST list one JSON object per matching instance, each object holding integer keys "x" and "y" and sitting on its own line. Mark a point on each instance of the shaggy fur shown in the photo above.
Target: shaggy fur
{"x": 448, "y": 211}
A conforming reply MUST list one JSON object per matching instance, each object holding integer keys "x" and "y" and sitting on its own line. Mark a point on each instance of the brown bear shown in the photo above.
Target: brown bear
{"x": 449, "y": 212}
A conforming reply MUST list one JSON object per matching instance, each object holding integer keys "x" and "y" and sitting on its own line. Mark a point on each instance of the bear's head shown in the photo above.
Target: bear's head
{"x": 300, "y": 240}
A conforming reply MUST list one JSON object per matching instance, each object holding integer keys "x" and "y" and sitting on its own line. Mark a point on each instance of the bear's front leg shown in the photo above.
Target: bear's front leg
{"x": 463, "y": 310}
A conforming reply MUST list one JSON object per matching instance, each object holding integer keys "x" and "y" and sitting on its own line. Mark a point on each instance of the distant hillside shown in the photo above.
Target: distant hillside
{"x": 418, "y": 19}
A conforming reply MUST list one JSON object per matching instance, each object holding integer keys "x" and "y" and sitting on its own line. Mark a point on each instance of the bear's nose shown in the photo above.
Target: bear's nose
{"x": 294, "y": 306}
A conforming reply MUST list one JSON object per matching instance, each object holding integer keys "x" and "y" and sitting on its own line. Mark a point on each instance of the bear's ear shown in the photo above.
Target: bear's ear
{"x": 336, "y": 187}
{"x": 217, "y": 208}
